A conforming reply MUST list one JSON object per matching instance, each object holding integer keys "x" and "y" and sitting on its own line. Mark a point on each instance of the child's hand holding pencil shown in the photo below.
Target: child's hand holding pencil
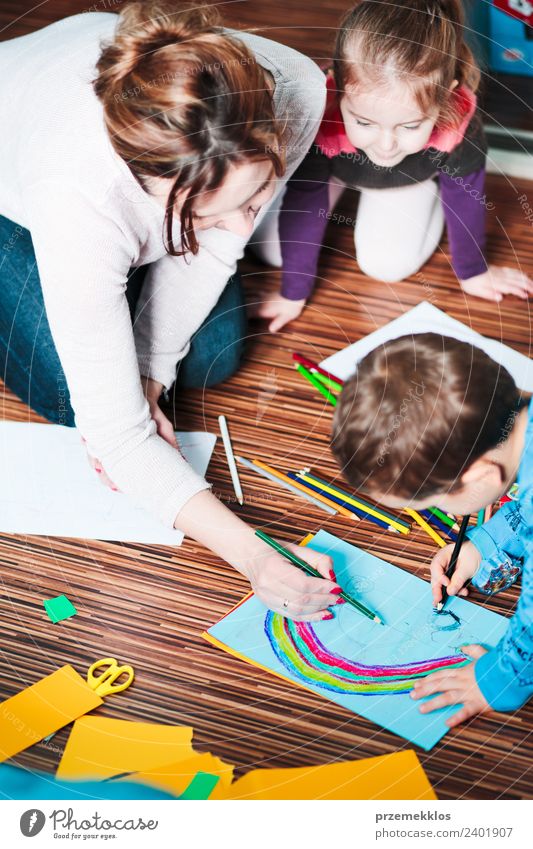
{"x": 467, "y": 566}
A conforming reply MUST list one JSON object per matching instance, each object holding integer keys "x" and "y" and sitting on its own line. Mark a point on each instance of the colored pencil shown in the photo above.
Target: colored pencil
{"x": 248, "y": 463}
{"x": 480, "y": 517}
{"x": 453, "y": 560}
{"x": 342, "y": 502}
{"x": 423, "y": 524}
{"x": 312, "y": 366}
{"x": 316, "y": 383}
{"x": 366, "y": 504}
{"x": 327, "y": 381}
{"x": 488, "y": 512}
{"x": 444, "y": 518}
{"x": 372, "y": 511}
{"x": 338, "y": 499}
{"x": 310, "y": 570}
{"x": 228, "y": 448}
{"x": 445, "y": 529}
{"x": 342, "y": 510}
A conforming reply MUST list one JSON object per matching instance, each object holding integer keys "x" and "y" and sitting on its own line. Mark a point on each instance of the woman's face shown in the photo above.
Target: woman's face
{"x": 235, "y": 205}
{"x": 385, "y": 122}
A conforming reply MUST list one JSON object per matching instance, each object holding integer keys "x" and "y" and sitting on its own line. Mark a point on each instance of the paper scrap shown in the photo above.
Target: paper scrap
{"x": 175, "y": 777}
{"x": 42, "y": 709}
{"x": 99, "y": 747}
{"x": 395, "y": 776}
{"x": 59, "y": 608}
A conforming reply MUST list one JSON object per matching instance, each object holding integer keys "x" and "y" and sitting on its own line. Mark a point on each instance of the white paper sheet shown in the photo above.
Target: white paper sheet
{"x": 425, "y": 318}
{"x": 49, "y": 488}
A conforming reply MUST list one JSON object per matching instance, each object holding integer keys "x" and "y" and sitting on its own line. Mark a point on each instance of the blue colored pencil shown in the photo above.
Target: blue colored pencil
{"x": 350, "y": 507}
{"x": 430, "y": 517}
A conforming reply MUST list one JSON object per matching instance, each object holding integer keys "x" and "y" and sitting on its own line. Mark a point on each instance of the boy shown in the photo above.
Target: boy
{"x": 429, "y": 420}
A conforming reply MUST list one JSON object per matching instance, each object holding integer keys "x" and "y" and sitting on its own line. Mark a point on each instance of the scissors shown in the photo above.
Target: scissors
{"x": 105, "y": 684}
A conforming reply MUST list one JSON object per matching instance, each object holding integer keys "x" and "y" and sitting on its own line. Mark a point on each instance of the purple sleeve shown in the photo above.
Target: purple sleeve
{"x": 465, "y": 207}
{"x": 302, "y": 222}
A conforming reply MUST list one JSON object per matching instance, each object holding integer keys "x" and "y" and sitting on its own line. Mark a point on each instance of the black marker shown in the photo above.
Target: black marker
{"x": 453, "y": 561}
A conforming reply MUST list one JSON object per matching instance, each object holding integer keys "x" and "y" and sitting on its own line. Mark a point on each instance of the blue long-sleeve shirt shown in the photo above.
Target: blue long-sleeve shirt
{"x": 505, "y": 674}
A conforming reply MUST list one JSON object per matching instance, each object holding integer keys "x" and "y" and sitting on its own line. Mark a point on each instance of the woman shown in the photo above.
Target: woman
{"x": 152, "y": 139}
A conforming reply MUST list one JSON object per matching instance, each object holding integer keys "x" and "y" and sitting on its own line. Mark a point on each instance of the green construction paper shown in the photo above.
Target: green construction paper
{"x": 200, "y": 787}
{"x": 59, "y": 608}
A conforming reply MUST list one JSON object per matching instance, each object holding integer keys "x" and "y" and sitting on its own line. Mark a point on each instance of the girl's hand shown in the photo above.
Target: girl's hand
{"x": 467, "y": 566}
{"x": 275, "y": 581}
{"x": 496, "y": 282}
{"x": 455, "y": 687}
{"x": 277, "y": 308}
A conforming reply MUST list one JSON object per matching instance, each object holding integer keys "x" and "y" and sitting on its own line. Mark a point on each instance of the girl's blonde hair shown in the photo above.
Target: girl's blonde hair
{"x": 184, "y": 101}
{"x": 418, "y": 41}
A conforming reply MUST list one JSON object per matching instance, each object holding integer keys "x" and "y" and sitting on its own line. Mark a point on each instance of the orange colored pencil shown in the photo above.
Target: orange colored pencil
{"x": 342, "y": 510}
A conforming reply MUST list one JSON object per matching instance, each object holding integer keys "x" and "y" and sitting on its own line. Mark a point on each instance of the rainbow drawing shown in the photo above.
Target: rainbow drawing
{"x": 298, "y": 648}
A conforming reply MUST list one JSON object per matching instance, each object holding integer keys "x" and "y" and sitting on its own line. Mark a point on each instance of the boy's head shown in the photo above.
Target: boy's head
{"x": 425, "y": 420}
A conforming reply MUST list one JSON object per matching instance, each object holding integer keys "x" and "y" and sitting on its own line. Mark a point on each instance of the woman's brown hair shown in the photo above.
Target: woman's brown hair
{"x": 184, "y": 101}
{"x": 418, "y": 412}
{"x": 419, "y": 41}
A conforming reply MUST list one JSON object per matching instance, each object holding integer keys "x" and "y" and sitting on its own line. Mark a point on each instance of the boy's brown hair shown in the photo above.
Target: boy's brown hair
{"x": 418, "y": 412}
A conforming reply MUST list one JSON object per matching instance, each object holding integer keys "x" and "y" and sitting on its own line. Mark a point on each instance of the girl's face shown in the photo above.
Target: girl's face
{"x": 385, "y": 122}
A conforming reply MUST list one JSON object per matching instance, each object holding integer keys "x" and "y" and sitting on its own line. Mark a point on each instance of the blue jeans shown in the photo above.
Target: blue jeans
{"x": 29, "y": 363}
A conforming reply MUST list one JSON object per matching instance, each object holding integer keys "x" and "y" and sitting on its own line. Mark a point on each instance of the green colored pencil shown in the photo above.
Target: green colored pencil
{"x": 316, "y": 383}
{"x": 480, "y": 517}
{"x": 310, "y": 570}
{"x": 327, "y": 381}
{"x": 444, "y": 518}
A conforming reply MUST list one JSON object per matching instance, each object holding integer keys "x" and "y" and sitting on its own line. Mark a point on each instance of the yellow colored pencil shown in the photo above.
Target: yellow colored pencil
{"x": 342, "y": 510}
{"x": 426, "y": 527}
{"x": 355, "y": 503}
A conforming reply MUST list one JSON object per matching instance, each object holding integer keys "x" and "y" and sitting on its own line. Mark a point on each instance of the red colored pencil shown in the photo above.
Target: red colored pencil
{"x": 312, "y": 366}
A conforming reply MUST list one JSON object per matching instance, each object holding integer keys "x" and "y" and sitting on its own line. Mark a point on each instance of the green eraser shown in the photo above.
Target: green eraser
{"x": 59, "y": 608}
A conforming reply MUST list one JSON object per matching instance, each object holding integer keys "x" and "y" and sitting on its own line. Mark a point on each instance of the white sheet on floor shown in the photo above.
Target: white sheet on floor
{"x": 49, "y": 488}
{"x": 425, "y": 318}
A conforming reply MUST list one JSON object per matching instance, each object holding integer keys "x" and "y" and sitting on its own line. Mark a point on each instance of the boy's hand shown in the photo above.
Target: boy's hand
{"x": 467, "y": 566}
{"x": 455, "y": 687}
{"x": 277, "y": 308}
{"x": 496, "y": 282}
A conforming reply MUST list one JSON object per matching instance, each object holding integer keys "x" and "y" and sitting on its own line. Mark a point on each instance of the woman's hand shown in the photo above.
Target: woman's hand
{"x": 467, "y": 566}
{"x": 275, "y": 581}
{"x": 152, "y": 391}
{"x": 278, "y": 309}
{"x": 454, "y": 686}
{"x": 496, "y": 282}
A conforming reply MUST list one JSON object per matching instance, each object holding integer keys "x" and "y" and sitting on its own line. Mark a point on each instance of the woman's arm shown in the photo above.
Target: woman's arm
{"x": 273, "y": 579}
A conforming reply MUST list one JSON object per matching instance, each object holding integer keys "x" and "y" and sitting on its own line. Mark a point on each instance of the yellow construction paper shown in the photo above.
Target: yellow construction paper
{"x": 176, "y": 777}
{"x": 100, "y": 748}
{"x": 396, "y": 776}
{"x": 43, "y": 708}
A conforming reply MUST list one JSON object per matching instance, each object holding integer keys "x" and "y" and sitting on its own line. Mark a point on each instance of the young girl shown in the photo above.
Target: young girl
{"x": 150, "y": 139}
{"x": 402, "y": 126}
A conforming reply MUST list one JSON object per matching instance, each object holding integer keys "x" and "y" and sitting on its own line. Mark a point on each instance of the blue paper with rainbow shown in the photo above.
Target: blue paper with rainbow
{"x": 365, "y": 667}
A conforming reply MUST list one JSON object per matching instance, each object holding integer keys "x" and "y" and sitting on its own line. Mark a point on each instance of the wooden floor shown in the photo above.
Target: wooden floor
{"x": 148, "y": 605}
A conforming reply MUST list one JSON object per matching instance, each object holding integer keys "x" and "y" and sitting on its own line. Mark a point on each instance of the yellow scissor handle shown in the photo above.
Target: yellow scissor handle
{"x": 104, "y": 684}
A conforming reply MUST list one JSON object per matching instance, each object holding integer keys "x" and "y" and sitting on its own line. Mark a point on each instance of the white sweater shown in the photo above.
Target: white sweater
{"x": 90, "y": 221}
